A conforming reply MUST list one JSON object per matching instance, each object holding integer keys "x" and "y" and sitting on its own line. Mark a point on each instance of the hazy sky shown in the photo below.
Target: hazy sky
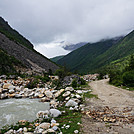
{"x": 46, "y": 21}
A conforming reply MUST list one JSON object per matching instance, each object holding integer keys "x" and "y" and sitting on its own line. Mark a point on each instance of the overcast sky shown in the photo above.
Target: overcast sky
{"x": 44, "y": 22}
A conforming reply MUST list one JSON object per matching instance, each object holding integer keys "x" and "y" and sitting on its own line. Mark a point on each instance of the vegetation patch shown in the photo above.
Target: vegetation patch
{"x": 69, "y": 121}
{"x": 7, "y": 63}
{"x": 125, "y": 77}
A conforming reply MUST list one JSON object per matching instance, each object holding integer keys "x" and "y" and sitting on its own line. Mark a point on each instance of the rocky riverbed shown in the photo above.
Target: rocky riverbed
{"x": 67, "y": 98}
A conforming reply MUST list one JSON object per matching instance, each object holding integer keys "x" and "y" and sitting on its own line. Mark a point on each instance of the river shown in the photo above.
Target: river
{"x": 13, "y": 110}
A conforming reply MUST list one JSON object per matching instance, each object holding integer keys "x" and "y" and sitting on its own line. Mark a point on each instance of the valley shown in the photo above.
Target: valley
{"x": 68, "y": 94}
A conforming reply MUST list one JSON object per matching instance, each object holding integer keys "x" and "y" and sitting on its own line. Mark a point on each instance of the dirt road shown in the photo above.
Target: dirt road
{"x": 118, "y": 101}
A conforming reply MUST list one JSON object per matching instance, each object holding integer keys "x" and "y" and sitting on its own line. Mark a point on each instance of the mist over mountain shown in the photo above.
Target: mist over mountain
{"x": 93, "y": 56}
{"x": 71, "y": 46}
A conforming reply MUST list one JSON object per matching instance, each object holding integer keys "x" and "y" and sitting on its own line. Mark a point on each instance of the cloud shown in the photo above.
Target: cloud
{"x": 44, "y": 21}
{"x": 51, "y": 50}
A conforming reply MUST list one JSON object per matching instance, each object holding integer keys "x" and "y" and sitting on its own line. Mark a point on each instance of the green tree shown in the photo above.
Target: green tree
{"x": 128, "y": 78}
{"x": 131, "y": 63}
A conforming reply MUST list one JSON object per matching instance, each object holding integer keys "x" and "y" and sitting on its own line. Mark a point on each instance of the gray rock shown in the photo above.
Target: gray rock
{"x": 76, "y": 131}
{"x": 76, "y": 100}
{"x": 71, "y": 108}
{"x": 10, "y": 131}
{"x": 5, "y": 90}
{"x": 3, "y": 77}
{"x": 79, "y": 91}
{"x": 31, "y": 94}
{"x": 78, "y": 96}
{"x": 48, "y": 94}
{"x": 69, "y": 89}
{"x": 6, "y": 85}
{"x": 66, "y": 94}
{"x": 1, "y": 90}
{"x": 11, "y": 91}
{"x": 36, "y": 94}
{"x": 11, "y": 87}
{"x": 67, "y": 98}
{"x": 18, "y": 96}
{"x": 54, "y": 112}
{"x": 44, "y": 125}
{"x": 21, "y": 92}
{"x": 3, "y": 96}
{"x": 53, "y": 121}
{"x": 71, "y": 103}
{"x": 20, "y": 130}
{"x": 54, "y": 128}
{"x": 50, "y": 131}
{"x": 25, "y": 129}
{"x": 42, "y": 114}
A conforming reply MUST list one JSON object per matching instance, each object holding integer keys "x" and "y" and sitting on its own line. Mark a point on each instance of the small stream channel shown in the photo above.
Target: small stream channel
{"x": 13, "y": 110}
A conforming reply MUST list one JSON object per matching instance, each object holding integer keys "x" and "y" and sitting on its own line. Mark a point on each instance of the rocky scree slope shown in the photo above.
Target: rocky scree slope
{"x": 13, "y": 34}
{"x": 23, "y": 52}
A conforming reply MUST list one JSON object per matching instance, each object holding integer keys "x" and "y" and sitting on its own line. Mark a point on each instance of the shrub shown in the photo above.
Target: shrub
{"x": 62, "y": 72}
{"x": 83, "y": 82}
{"x": 74, "y": 83}
{"x": 128, "y": 78}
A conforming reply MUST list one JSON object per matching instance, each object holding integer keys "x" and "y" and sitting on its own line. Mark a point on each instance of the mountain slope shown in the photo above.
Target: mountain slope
{"x": 13, "y": 34}
{"x": 86, "y": 58}
{"x": 21, "y": 49}
{"x": 55, "y": 59}
{"x": 121, "y": 49}
{"x": 8, "y": 63}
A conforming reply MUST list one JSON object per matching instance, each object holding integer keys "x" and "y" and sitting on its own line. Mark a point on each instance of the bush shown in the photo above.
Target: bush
{"x": 62, "y": 72}
{"x": 128, "y": 78}
{"x": 83, "y": 82}
{"x": 74, "y": 83}
{"x": 36, "y": 80}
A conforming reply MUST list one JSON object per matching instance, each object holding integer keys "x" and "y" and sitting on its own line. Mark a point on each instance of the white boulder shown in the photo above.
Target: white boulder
{"x": 54, "y": 112}
{"x": 44, "y": 125}
{"x": 71, "y": 103}
{"x": 69, "y": 89}
{"x": 66, "y": 94}
{"x": 48, "y": 94}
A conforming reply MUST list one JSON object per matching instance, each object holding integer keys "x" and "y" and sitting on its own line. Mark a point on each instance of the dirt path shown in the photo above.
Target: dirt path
{"x": 117, "y": 105}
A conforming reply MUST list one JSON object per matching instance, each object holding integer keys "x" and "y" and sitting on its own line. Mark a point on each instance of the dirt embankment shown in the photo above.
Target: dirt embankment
{"x": 112, "y": 112}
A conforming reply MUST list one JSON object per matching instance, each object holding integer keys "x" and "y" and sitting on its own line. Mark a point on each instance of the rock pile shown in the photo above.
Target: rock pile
{"x": 16, "y": 89}
{"x": 111, "y": 115}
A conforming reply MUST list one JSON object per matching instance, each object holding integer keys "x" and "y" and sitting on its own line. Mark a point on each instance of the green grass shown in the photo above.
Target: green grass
{"x": 69, "y": 118}
{"x": 89, "y": 95}
{"x": 128, "y": 88}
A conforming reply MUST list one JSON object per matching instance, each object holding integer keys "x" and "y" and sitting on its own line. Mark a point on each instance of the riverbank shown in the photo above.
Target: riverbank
{"x": 64, "y": 115}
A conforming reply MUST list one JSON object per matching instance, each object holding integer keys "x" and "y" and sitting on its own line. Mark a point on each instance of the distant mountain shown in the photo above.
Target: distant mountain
{"x": 72, "y": 47}
{"x": 55, "y": 59}
{"x": 91, "y": 57}
{"x": 17, "y": 48}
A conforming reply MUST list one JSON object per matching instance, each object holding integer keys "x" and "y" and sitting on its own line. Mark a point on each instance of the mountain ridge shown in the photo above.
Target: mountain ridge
{"x": 95, "y": 55}
{"x": 25, "y": 53}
